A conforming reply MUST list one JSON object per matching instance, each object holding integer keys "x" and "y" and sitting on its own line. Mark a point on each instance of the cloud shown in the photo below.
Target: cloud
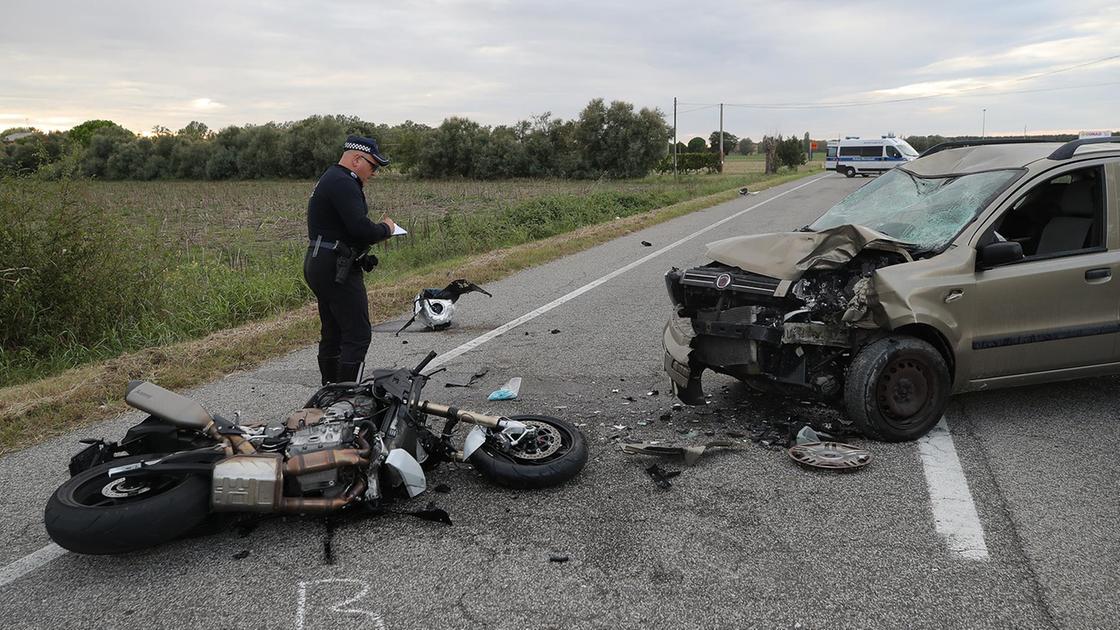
{"x": 206, "y": 105}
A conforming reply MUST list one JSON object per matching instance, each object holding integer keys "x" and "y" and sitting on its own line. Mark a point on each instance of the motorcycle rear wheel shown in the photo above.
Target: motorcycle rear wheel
{"x": 557, "y": 455}
{"x": 94, "y": 514}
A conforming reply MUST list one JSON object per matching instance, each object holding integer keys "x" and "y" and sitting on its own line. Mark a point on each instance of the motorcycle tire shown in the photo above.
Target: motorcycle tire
{"x": 558, "y": 454}
{"x": 94, "y": 514}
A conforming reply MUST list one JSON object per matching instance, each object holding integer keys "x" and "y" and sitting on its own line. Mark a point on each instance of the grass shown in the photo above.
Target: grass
{"x": 230, "y": 332}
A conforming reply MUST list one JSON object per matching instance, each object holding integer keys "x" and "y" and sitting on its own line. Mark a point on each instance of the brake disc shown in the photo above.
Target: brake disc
{"x": 830, "y": 455}
{"x": 546, "y": 441}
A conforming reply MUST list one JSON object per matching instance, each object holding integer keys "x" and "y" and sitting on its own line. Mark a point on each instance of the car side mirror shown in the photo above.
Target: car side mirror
{"x": 1001, "y": 253}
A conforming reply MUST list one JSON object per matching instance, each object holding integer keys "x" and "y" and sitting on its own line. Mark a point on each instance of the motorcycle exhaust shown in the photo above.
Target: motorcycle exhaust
{"x": 315, "y": 504}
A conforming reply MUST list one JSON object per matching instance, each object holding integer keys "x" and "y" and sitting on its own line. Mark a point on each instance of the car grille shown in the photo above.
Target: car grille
{"x": 740, "y": 280}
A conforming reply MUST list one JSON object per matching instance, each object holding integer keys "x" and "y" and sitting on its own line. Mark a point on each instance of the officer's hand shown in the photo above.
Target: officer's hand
{"x": 389, "y": 222}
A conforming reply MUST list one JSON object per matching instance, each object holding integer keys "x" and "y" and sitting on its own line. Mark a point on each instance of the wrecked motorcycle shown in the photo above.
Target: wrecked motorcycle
{"x": 365, "y": 442}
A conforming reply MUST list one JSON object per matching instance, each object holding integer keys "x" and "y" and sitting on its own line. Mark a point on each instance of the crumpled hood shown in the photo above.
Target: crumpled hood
{"x": 788, "y": 255}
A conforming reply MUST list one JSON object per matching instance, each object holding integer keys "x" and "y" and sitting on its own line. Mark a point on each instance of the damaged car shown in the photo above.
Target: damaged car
{"x": 979, "y": 265}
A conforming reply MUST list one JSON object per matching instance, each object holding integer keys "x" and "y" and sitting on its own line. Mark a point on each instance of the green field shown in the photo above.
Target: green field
{"x": 95, "y": 269}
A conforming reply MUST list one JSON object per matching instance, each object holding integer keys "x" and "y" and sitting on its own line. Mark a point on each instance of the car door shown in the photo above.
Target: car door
{"x": 1059, "y": 306}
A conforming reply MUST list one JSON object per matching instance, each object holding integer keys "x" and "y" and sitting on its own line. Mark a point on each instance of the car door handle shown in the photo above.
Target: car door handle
{"x": 1099, "y": 273}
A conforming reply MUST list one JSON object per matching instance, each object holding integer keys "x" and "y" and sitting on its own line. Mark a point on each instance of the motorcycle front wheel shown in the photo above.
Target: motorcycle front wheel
{"x": 554, "y": 455}
{"x": 95, "y": 514}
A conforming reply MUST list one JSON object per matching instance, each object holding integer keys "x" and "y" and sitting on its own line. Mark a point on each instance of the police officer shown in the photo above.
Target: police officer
{"x": 340, "y": 230}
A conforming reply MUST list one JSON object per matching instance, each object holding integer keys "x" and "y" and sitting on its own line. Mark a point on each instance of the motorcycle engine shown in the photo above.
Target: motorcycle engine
{"x": 335, "y": 430}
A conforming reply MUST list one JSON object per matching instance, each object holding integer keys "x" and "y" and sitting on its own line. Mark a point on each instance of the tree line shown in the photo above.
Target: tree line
{"x": 614, "y": 140}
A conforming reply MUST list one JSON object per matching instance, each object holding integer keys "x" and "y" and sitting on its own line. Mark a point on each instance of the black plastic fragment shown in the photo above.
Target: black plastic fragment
{"x": 661, "y": 476}
{"x": 557, "y": 557}
{"x": 432, "y": 513}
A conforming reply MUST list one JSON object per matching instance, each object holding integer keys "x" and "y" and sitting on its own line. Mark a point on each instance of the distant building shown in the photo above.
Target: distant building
{"x": 12, "y": 137}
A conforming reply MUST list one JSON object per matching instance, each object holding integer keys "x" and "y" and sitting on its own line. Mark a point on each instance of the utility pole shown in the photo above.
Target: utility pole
{"x": 983, "y": 121}
{"x": 721, "y": 137}
{"x": 674, "y": 136}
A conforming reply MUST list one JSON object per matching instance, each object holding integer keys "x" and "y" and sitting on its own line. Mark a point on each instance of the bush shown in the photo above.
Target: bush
{"x": 70, "y": 273}
{"x": 690, "y": 163}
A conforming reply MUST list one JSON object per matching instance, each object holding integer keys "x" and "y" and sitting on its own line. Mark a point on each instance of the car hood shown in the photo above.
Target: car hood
{"x": 788, "y": 255}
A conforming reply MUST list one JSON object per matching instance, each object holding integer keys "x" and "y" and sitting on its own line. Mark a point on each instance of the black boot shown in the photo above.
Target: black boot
{"x": 348, "y": 372}
{"x": 328, "y": 369}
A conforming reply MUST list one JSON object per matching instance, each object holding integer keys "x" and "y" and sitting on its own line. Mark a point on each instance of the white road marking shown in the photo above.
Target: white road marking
{"x": 29, "y": 563}
{"x": 52, "y": 551}
{"x": 954, "y": 513}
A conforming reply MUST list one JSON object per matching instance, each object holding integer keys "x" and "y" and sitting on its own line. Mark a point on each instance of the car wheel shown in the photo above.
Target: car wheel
{"x": 897, "y": 388}
{"x": 850, "y": 172}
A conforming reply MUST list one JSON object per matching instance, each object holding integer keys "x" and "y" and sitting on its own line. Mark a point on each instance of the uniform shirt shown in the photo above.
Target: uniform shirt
{"x": 337, "y": 211}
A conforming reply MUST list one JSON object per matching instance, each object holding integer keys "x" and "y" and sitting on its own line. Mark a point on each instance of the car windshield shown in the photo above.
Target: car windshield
{"x": 906, "y": 149}
{"x": 924, "y": 211}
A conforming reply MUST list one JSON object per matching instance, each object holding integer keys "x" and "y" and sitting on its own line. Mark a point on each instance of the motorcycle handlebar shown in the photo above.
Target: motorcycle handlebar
{"x": 428, "y": 359}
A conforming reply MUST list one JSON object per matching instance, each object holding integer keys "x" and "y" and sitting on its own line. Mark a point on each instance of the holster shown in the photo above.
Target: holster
{"x": 344, "y": 260}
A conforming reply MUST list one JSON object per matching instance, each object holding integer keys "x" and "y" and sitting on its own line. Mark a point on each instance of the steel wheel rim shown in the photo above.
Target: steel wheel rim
{"x": 906, "y": 387}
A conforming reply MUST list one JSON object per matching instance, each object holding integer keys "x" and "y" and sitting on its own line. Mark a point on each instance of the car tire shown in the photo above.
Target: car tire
{"x": 897, "y": 388}
{"x": 850, "y": 172}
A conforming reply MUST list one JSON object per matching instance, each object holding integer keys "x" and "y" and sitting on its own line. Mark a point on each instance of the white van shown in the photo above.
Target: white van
{"x": 855, "y": 156}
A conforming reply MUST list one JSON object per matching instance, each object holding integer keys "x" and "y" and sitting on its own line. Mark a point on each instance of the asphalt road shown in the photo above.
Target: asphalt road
{"x": 745, "y": 538}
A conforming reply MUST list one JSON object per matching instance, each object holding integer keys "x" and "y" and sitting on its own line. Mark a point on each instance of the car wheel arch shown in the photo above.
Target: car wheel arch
{"x": 935, "y": 338}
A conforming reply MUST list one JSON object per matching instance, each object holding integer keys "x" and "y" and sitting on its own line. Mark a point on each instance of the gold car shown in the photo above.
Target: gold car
{"x": 978, "y": 265}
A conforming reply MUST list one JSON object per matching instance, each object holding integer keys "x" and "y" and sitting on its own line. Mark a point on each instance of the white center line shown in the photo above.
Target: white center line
{"x": 954, "y": 513}
{"x": 52, "y": 551}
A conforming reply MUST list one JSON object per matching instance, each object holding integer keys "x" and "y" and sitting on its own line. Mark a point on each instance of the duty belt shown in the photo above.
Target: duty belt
{"x": 319, "y": 243}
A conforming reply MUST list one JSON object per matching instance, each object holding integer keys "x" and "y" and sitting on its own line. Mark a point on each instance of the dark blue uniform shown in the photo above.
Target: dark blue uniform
{"x": 337, "y": 212}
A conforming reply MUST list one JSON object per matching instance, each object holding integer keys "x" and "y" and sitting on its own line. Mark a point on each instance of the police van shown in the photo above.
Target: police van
{"x": 856, "y": 156}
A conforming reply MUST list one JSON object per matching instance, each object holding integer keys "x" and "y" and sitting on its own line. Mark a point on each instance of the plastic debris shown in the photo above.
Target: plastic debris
{"x": 647, "y": 244}
{"x": 555, "y": 331}
{"x": 444, "y": 488}
{"x": 470, "y": 381}
{"x": 432, "y": 513}
{"x": 807, "y": 435}
{"x": 557, "y": 557}
{"x": 661, "y": 476}
{"x": 690, "y": 454}
{"x": 509, "y": 391}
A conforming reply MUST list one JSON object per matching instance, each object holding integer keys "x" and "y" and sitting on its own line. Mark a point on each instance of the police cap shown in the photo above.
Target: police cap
{"x": 367, "y": 146}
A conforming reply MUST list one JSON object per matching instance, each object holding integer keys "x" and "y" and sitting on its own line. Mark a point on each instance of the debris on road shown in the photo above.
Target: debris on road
{"x": 830, "y": 455}
{"x": 690, "y": 454}
{"x": 557, "y": 557}
{"x": 432, "y": 513}
{"x": 661, "y": 476}
{"x": 647, "y": 244}
{"x": 745, "y": 191}
{"x": 470, "y": 381}
{"x": 509, "y": 391}
{"x": 241, "y": 555}
{"x": 444, "y": 488}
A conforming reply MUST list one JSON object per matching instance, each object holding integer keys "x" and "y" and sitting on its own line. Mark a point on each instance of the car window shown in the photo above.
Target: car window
{"x": 1059, "y": 216}
{"x": 893, "y": 152}
{"x": 925, "y": 211}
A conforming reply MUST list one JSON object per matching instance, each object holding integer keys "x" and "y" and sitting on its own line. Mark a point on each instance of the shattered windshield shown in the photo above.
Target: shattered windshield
{"x": 924, "y": 211}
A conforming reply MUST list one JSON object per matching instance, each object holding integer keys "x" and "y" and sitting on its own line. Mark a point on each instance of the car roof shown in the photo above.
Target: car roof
{"x": 990, "y": 157}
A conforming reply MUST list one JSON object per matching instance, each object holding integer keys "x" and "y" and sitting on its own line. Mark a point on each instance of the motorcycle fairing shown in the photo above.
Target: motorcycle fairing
{"x": 408, "y": 470}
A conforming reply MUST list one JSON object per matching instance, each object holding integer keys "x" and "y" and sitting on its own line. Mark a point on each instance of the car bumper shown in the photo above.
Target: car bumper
{"x": 677, "y": 341}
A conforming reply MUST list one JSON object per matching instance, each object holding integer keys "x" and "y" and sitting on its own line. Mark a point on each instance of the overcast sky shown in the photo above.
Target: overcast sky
{"x": 151, "y": 63}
